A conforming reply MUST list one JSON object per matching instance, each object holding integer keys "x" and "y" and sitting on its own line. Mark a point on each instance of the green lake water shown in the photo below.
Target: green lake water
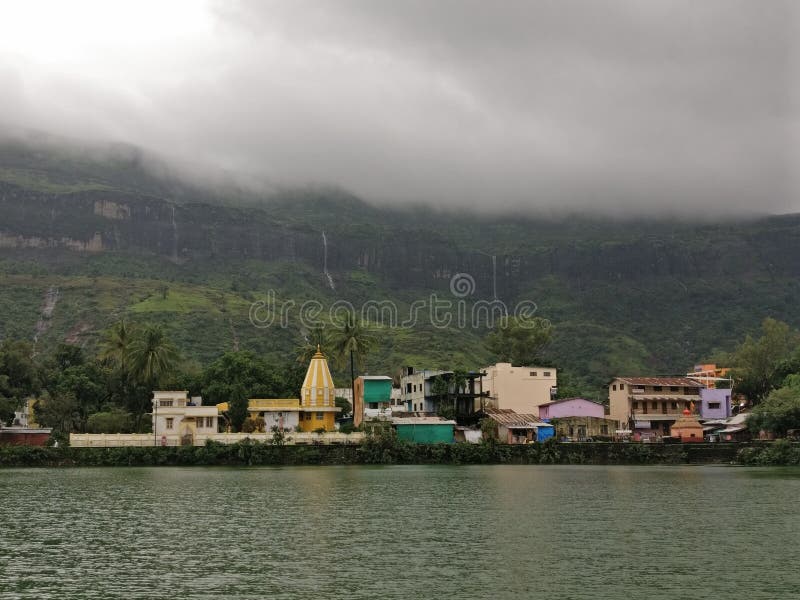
{"x": 400, "y": 532}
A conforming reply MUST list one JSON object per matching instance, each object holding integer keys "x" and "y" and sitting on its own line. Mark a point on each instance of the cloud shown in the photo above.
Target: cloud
{"x": 607, "y": 106}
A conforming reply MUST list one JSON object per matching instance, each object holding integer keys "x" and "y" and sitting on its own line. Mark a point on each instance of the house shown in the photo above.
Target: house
{"x": 176, "y": 417}
{"x": 577, "y": 418}
{"x": 521, "y": 389}
{"x": 373, "y": 397}
{"x": 283, "y": 413}
{"x": 715, "y": 403}
{"x": 424, "y": 430}
{"x": 515, "y": 428}
{"x": 711, "y": 376}
{"x": 419, "y": 393}
{"x": 687, "y": 428}
{"x": 571, "y": 407}
{"x": 650, "y": 405}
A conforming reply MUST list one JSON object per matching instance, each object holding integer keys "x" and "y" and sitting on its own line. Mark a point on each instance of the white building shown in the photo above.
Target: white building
{"x": 521, "y": 389}
{"x": 178, "y": 417}
{"x": 415, "y": 389}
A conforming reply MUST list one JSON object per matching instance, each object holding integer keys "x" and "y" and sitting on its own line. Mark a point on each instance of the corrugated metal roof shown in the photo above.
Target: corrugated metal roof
{"x": 509, "y": 418}
{"x": 567, "y": 400}
{"x": 421, "y": 421}
{"x": 669, "y": 381}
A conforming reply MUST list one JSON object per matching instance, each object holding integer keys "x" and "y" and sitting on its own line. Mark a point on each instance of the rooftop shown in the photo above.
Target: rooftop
{"x": 663, "y": 381}
{"x": 512, "y": 420}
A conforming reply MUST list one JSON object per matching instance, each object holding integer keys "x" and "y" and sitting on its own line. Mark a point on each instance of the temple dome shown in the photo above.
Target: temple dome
{"x": 318, "y": 388}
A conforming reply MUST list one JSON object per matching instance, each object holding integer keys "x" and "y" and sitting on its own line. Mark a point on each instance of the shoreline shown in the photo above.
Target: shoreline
{"x": 379, "y": 452}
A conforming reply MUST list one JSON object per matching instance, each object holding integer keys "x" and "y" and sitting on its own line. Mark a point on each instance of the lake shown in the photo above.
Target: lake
{"x": 400, "y": 532}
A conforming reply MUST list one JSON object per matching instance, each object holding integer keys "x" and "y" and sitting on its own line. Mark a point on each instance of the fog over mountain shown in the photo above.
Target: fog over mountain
{"x": 616, "y": 107}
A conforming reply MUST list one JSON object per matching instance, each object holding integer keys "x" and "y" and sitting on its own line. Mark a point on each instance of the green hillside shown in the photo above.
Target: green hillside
{"x": 96, "y": 237}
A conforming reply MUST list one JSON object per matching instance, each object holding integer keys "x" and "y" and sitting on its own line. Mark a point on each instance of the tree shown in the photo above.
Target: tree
{"x": 779, "y": 411}
{"x": 60, "y": 412}
{"x": 760, "y": 365}
{"x": 313, "y": 339}
{"x": 344, "y": 404}
{"x": 152, "y": 356}
{"x": 115, "y": 346}
{"x": 112, "y": 421}
{"x": 352, "y": 339}
{"x": 519, "y": 341}
{"x": 19, "y": 375}
{"x": 237, "y": 407}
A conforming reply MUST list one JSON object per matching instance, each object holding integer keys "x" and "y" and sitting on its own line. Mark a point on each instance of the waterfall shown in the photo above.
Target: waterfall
{"x": 174, "y": 236}
{"x": 325, "y": 261}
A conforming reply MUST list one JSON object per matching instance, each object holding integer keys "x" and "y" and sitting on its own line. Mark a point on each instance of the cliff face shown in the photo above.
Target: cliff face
{"x": 405, "y": 253}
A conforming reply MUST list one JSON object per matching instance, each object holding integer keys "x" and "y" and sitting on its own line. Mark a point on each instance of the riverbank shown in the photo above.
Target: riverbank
{"x": 378, "y": 451}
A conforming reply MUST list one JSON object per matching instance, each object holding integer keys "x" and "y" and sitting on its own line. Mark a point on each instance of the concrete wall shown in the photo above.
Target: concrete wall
{"x": 522, "y": 389}
{"x": 113, "y": 440}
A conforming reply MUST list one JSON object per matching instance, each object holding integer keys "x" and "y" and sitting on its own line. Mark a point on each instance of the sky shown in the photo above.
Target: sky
{"x": 609, "y": 106}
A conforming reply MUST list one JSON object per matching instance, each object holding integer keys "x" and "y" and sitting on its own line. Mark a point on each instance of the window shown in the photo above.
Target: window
{"x": 656, "y": 388}
{"x": 546, "y": 373}
{"x": 408, "y": 388}
{"x": 198, "y": 422}
{"x": 636, "y": 405}
{"x": 674, "y": 388}
{"x": 622, "y": 386}
{"x": 604, "y": 429}
{"x": 170, "y": 420}
{"x": 654, "y": 405}
{"x": 320, "y": 416}
{"x": 534, "y": 374}
{"x": 713, "y": 405}
{"x": 674, "y": 406}
{"x": 165, "y": 403}
{"x": 614, "y": 387}
{"x": 209, "y": 421}
{"x": 308, "y": 416}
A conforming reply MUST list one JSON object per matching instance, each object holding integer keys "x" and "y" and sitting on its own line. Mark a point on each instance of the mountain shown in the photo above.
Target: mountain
{"x": 89, "y": 237}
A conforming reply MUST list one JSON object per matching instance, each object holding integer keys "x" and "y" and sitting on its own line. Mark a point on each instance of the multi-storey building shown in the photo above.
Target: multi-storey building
{"x": 521, "y": 389}
{"x": 650, "y": 405}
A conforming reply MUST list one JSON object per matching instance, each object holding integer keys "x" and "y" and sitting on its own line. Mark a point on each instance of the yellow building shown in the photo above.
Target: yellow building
{"x": 316, "y": 409}
{"x": 318, "y": 396}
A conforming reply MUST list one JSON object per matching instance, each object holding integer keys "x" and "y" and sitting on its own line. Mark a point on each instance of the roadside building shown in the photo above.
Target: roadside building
{"x": 715, "y": 403}
{"x": 419, "y": 392}
{"x": 177, "y": 418}
{"x": 373, "y": 397}
{"x": 283, "y": 413}
{"x": 516, "y": 428}
{"x": 521, "y": 389}
{"x": 649, "y": 406}
{"x": 711, "y": 376}
{"x": 424, "y": 430}
{"x": 571, "y": 407}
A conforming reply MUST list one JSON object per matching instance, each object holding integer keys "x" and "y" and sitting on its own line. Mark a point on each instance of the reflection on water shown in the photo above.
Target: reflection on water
{"x": 400, "y": 532}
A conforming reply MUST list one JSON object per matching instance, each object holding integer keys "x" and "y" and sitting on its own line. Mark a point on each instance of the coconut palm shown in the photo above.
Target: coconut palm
{"x": 151, "y": 356}
{"x": 312, "y": 339}
{"x": 352, "y": 339}
{"x": 115, "y": 347}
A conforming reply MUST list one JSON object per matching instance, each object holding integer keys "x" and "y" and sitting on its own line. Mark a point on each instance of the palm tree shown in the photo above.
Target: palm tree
{"x": 352, "y": 339}
{"x": 312, "y": 339}
{"x": 151, "y": 356}
{"x": 115, "y": 347}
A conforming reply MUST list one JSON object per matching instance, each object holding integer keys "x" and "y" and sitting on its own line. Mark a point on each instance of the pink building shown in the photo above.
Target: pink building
{"x": 571, "y": 407}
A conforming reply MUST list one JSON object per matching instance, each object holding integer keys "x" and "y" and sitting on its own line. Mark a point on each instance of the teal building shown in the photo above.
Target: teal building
{"x": 424, "y": 430}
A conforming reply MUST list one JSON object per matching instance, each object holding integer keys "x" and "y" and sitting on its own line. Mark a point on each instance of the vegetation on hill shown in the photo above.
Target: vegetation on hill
{"x": 628, "y": 297}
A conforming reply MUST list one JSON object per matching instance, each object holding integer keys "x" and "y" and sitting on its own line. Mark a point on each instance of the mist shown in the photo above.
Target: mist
{"x": 608, "y": 107}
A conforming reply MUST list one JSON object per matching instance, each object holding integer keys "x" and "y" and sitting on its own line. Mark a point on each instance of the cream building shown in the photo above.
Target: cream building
{"x": 650, "y": 405}
{"x": 178, "y": 417}
{"x": 521, "y": 389}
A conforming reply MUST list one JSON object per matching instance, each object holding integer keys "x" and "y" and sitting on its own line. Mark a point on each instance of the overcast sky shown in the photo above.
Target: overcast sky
{"x": 620, "y": 106}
